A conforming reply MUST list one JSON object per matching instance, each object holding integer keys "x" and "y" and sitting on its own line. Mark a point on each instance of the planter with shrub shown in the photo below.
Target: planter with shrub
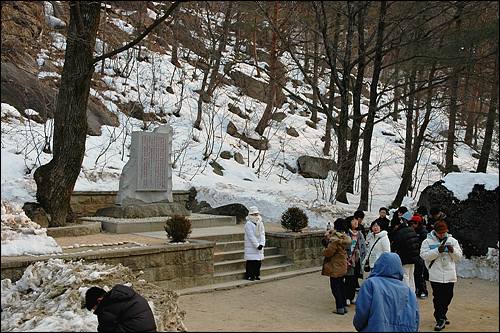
{"x": 178, "y": 228}
{"x": 294, "y": 219}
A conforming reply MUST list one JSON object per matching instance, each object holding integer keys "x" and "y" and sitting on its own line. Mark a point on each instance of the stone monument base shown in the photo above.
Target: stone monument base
{"x": 144, "y": 210}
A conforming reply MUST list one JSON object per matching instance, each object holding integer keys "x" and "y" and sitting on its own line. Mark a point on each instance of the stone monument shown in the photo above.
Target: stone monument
{"x": 146, "y": 180}
{"x": 147, "y": 176}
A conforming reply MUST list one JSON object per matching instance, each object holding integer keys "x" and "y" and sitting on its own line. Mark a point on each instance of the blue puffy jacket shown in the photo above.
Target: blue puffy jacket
{"x": 385, "y": 303}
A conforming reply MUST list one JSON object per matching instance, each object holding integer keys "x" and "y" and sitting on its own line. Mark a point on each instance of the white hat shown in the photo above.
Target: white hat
{"x": 253, "y": 210}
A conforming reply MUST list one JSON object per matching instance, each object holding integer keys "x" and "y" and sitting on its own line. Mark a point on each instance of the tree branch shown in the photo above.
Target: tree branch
{"x": 141, "y": 36}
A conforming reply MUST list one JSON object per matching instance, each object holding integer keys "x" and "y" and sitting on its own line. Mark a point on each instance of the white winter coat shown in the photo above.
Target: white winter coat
{"x": 252, "y": 241}
{"x": 443, "y": 270}
{"x": 383, "y": 245}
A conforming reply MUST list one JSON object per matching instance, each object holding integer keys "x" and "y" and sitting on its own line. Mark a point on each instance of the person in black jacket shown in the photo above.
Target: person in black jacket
{"x": 421, "y": 274}
{"x": 396, "y": 221}
{"x": 407, "y": 245}
{"x": 382, "y": 220}
{"x": 120, "y": 310}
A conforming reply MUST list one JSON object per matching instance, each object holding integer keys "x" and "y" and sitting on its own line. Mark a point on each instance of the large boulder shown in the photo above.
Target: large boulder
{"x": 36, "y": 213}
{"x": 315, "y": 167}
{"x": 472, "y": 221}
{"x": 235, "y": 209}
{"x": 255, "y": 88}
{"x": 260, "y": 144}
{"x": 23, "y": 90}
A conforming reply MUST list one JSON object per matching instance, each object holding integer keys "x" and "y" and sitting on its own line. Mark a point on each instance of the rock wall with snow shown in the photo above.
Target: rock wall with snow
{"x": 472, "y": 218}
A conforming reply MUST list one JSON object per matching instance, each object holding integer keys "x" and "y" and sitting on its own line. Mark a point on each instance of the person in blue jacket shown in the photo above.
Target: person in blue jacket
{"x": 385, "y": 303}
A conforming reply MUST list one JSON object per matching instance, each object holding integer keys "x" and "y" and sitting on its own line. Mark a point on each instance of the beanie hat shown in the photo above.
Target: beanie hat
{"x": 440, "y": 227}
{"x": 406, "y": 216}
{"x": 416, "y": 218}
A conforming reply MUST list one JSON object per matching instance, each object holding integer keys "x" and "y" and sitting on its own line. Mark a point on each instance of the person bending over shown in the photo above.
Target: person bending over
{"x": 121, "y": 309}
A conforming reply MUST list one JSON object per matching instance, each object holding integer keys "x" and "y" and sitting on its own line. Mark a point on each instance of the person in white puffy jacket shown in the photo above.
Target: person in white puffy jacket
{"x": 440, "y": 252}
{"x": 377, "y": 243}
{"x": 255, "y": 240}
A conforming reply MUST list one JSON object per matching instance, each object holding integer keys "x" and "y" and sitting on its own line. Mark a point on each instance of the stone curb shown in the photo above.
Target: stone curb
{"x": 86, "y": 228}
{"x": 244, "y": 283}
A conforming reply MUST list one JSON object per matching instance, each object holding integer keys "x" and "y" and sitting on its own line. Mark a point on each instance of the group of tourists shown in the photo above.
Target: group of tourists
{"x": 397, "y": 256}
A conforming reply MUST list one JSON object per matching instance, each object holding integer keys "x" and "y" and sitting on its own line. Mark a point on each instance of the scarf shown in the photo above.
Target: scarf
{"x": 259, "y": 226}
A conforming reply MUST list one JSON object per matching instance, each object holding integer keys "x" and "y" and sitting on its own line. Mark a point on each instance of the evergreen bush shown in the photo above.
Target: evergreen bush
{"x": 294, "y": 219}
{"x": 178, "y": 228}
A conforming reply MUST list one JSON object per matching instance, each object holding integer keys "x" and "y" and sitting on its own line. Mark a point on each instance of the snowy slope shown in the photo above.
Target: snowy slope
{"x": 273, "y": 189}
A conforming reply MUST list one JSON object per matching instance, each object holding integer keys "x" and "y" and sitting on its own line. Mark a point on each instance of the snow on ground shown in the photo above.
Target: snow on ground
{"x": 21, "y": 236}
{"x": 485, "y": 267}
{"x": 50, "y": 295}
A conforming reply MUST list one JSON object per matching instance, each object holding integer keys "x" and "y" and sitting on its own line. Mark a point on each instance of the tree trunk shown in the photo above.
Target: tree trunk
{"x": 469, "y": 125}
{"x": 372, "y": 109}
{"x": 490, "y": 122}
{"x": 254, "y": 47}
{"x": 356, "y": 98}
{"x": 467, "y": 102}
{"x": 406, "y": 179}
{"x": 329, "y": 123}
{"x": 56, "y": 179}
{"x": 409, "y": 121}
{"x": 342, "y": 173}
{"x": 307, "y": 56}
{"x": 331, "y": 97}
{"x": 214, "y": 76}
{"x": 450, "y": 141}
{"x": 175, "y": 43}
{"x": 268, "y": 112}
{"x": 237, "y": 33}
{"x": 197, "y": 122}
{"x": 314, "y": 111}
{"x": 455, "y": 79}
{"x": 395, "y": 112}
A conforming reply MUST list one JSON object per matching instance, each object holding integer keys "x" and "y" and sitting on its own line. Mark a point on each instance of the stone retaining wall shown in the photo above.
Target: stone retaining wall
{"x": 86, "y": 203}
{"x": 304, "y": 249}
{"x": 177, "y": 266}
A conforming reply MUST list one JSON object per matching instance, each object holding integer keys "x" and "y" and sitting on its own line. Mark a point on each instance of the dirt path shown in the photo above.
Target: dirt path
{"x": 305, "y": 303}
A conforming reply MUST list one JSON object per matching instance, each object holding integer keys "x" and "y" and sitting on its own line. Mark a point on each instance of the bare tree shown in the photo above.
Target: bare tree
{"x": 490, "y": 121}
{"x": 56, "y": 179}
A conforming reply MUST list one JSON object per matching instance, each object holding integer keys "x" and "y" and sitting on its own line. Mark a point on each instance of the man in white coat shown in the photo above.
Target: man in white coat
{"x": 255, "y": 240}
{"x": 440, "y": 252}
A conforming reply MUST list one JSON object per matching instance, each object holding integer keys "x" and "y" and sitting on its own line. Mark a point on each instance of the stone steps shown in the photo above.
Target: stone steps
{"x": 244, "y": 283}
{"x": 238, "y": 254}
{"x": 240, "y": 273}
{"x": 239, "y": 264}
{"x": 229, "y": 246}
{"x": 220, "y": 238}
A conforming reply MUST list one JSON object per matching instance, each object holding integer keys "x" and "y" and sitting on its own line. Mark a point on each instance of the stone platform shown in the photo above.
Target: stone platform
{"x": 150, "y": 224}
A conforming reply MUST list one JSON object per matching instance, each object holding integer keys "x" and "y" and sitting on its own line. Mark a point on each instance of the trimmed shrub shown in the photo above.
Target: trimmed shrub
{"x": 178, "y": 228}
{"x": 294, "y": 219}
